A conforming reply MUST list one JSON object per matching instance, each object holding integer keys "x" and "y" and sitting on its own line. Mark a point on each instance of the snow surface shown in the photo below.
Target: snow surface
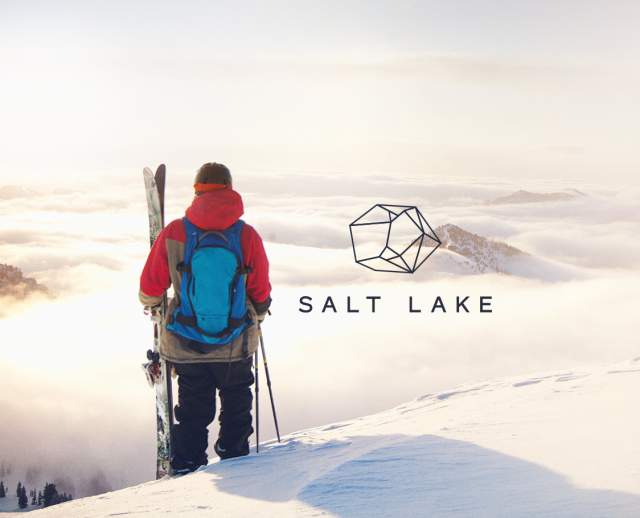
{"x": 559, "y": 444}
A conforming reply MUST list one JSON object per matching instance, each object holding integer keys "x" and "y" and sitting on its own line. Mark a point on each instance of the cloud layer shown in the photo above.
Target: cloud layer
{"x": 72, "y": 364}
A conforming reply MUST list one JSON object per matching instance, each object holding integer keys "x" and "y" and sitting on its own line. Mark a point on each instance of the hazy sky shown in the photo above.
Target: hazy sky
{"x": 523, "y": 88}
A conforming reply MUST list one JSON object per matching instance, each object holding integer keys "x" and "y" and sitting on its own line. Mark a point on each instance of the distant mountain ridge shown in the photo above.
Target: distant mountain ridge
{"x": 14, "y": 284}
{"x": 9, "y": 192}
{"x": 523, "y": 196}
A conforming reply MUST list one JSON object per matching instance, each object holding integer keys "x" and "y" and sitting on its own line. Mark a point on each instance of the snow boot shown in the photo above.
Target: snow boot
{"x": 225, "y": 453}
{"x": 182, "y": 467}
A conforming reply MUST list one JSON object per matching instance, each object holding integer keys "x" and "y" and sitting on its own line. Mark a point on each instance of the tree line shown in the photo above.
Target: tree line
{"x": 42, "y": 498}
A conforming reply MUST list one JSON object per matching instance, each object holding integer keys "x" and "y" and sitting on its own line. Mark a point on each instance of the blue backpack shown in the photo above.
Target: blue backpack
{"x": 213, "y": 298}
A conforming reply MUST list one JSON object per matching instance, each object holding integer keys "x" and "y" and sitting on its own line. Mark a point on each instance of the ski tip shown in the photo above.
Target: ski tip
{"x": 147, "y": 171}
{"x": 161, "y": 169}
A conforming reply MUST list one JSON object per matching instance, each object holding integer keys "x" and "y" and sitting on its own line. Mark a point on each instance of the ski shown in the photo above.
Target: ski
{"x": 157, "y": 370}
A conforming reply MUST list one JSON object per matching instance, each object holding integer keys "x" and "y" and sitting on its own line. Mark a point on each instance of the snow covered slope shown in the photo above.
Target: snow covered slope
{"x": 555, "y": 444}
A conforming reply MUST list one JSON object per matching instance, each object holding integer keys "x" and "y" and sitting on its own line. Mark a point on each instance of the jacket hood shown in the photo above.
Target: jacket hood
{"x": 216, "y": 210}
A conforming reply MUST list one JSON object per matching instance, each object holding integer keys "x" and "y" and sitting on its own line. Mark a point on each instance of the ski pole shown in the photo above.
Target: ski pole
{"x": 266, "y": 370}
{"x": 255, "y": 368}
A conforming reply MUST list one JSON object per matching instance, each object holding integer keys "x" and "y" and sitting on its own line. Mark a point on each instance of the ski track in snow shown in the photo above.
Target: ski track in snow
{"x": 555, "y": 445}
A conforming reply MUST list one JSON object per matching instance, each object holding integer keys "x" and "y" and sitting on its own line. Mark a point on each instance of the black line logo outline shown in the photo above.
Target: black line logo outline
{"x": 388, "y": 259}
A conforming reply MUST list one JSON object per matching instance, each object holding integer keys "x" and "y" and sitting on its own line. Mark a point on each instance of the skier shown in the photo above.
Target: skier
{"x": 204, "y": 360}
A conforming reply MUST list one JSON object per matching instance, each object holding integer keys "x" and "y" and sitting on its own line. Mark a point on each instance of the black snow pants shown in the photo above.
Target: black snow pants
{"x": 196, "y": 409}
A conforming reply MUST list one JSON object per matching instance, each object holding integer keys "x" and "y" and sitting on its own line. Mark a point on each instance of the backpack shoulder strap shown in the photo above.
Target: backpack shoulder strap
{"x": 192, "y": 234}
{"x": 235, "y": 229}
{"x": 233, "y": 235}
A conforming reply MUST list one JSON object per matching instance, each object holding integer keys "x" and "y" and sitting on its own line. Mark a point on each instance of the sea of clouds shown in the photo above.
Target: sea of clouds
{"x": 73, "y": 396}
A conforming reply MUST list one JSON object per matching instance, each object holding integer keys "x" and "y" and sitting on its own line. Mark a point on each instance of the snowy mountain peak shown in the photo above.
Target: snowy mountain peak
{"x": 485, "y": 255}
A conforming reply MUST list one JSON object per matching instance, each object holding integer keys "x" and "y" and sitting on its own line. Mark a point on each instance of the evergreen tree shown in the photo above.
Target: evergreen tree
{"x": 50, "y": 495}
{"x": 3, "y": 491}
{"x": 23, "y": 500}
{"x": 19, "y": 489}
{"x": 33, "y": 498}
{"x": 39, "y": 497}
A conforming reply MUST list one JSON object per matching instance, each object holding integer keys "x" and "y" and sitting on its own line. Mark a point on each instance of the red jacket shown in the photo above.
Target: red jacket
{"x": 214, "y": 210}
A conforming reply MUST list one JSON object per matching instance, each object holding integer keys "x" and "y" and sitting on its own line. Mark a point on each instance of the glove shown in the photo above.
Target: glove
{"x": 153, "y": 312}
{"x": 262, "y": 307}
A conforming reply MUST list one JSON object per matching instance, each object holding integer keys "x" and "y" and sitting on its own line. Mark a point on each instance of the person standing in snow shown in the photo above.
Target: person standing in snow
{"x": 202, "y": 366}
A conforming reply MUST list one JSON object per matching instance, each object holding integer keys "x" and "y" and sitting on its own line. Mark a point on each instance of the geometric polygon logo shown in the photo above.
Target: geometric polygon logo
{"x": 392, "y": 238}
